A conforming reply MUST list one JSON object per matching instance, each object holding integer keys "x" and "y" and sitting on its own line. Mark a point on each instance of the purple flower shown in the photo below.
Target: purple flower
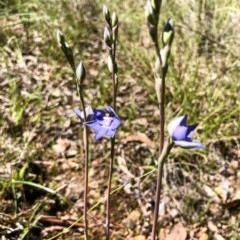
{"x": 91, "y": 113}
{"x": 181, "y": 133}
{"x": 103, "y": 122}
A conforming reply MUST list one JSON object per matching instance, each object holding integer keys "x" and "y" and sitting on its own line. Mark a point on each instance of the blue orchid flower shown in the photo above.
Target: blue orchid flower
{"x": 103, "y": 122}
{"x": 181, "y": 133}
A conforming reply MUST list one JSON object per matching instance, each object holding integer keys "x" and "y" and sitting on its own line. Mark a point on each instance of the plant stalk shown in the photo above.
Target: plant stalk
{"x": 86, "y": 157}
{"x": 161, "y": 160}
{"x": 112, "y": 54}
{"x": 110, "y": 173}
{"x": 161, "y": 104}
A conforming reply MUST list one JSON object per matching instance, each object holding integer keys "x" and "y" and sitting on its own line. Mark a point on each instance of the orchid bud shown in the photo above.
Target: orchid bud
{"x": 80, "y": 73}
{"x": 60, "y": 38}
{"x": 106, "y": 15}
{"x": 168, "y": 33}
{"x": 156, "y": 5}
{"x": 107, "y": 37}
{"x": 67, "y": 50}
{"x": 149, "y": 13}
{"x": 110, "y": 64}
{"x": 164, "y": 53}
{"x": 115, "y": 32}
{"x": 114, "y": 19}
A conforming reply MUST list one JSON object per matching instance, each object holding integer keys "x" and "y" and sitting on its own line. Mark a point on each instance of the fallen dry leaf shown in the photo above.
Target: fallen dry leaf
{"x": 140, "y": 138}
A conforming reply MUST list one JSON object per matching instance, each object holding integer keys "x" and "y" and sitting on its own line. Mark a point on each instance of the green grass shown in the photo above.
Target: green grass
{"x": 38, "y": 93}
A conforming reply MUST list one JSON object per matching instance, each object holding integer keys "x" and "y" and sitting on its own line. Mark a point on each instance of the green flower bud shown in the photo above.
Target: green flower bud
{"x": 81, "y": 73}
{"x": 149, "y": 13}
{"x": 67, "y": 50}
{"x": 156, "y": 5}
{"x": 106, "y": 15}
{"x": 165, "y": 55}
{"x": 110, "y": 64}
{"x": 115, "y": 32}
{"x": 107, "y": 37}
{"x": 114, "y": 19}
{"x": 168, "y": 33}
{"x": 60, "y": 38}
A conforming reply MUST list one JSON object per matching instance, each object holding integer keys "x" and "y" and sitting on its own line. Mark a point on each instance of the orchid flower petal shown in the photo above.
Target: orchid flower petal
{"x": 100, "y": 133}
{"x": 182, "y": 134}
{"x": 174, "y": 123}
{"x": 115, "y": 123}
{"x": 111, "y": 132}
{"x": 94, "y": 125}
{"x": 187, "y": 144}
{"x": 79, "y": 113}
{"x": 103, "y": 122}
{"x": 191, "y": 130}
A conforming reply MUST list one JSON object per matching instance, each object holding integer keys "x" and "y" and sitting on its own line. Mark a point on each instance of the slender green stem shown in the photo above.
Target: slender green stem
{"x": 161, "y": 160}
{"x": 110, "y": 173}
{"x": 86, "y": 156}
{"x": 161, "y": 142}
{"x": 69, "y": 56}
{"x": 162, "y": 101}
{"x": 112, "y": 54}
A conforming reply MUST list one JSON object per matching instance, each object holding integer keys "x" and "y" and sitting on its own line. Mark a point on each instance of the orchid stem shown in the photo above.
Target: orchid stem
{"x": 110, "y": 173}
{"x": 79, "y": 77}
{"x": 161, "y": 160}
{"x": 162, "y": 101}
{"x": 161, "y": 142}
{"x": 86, "y": 156}
{"x": 163, "y": 152}
{"x": 112, "y": 54}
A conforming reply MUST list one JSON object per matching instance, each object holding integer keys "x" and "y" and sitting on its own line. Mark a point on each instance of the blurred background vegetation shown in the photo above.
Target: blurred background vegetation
{"x": 40, "y": 137}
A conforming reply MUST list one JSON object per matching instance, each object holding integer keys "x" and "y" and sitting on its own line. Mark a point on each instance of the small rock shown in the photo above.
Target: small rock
{"x": 218, "y": 237}
{"x": 212, "y": 227}
{"x": 203, "y": 236}
{"x": 70, "y": 153}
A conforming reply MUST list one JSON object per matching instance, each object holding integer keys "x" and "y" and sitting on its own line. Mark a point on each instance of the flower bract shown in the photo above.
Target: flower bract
{"x": 181, "y": 133}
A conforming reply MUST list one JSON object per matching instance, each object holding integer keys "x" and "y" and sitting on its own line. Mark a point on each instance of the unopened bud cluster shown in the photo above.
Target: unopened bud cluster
{"x": 80, "y": 71}
{"x": 167, "y": 38}
{"x": 110, "y": 38}
{"x": 67, "y": 50}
